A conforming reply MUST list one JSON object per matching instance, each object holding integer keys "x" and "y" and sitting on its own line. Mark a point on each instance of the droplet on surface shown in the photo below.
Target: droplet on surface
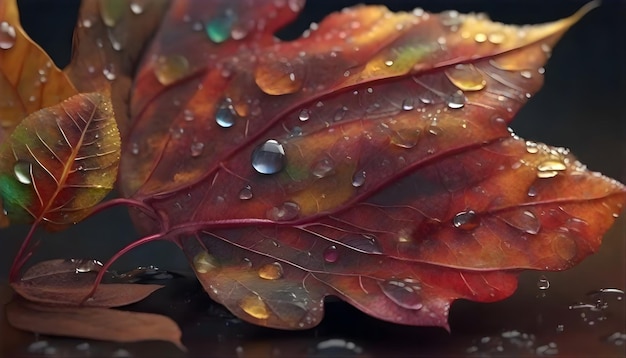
{"x": 286, "y": 211}
{"x": 269, "y": 157}
{"x": 7, "y": 35}
{"x": 219, "y": 28}
{"x": 22, "y": 170}
{"x": 524, "y": 220}
{"x": 456, "y": 100}
{"x": 304, "y": 115}
{"x": 169, "y": 69}
{"x": 358, "y": 179}
{"x": 466, "y": 220}
{"x": 543, "y": 283}
{"x": 255, "y": 307}
{"x": 339, "y": 114}
{"x": 408, "y": 104}
{"x": 331, "y": 254}
{"x": 196, "y": 149}
{"x": 466, "y": 77}
{"x": 405, "y": 138}
{"x": 550, "y": 168}
{"x": 323, "y": 168}
{"x": 204, "y": 262}
{"x": 404, "y": 294}
{"x": 225, "y": 116}
{"x": 86, "y": 265}
{"x": 273, "y": 271}
{"x": 363, "y": 243}
{"x": 109, "y": 72}
{"x": 278, "y": 78}
{"x": 137, "y": 7}
{"x": 246, "y": 193}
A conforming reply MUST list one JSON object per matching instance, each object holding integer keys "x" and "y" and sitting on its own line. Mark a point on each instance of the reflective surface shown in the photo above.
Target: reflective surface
{"x": 580, "y": 107}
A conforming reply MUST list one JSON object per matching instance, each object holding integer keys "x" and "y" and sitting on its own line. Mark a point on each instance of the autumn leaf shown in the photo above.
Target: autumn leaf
{"x": 29, "y": 80}
{"x": 68, "y": 283}
{"x": 92, "y": 323}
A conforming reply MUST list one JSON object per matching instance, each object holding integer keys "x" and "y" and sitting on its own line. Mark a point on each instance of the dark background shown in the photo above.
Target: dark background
{"x": 581, "y": 107}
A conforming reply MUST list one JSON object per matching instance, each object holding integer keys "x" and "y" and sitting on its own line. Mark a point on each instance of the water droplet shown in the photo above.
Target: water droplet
{"x": 246, "y": 193}
{"x": 219, "y": 28}
{"x": 323, "y": 168}
{"x": 408, "y": 104}
{"x": 496, "y": 38}
{"x": 238, "y": 32}
{"x": 255, "y": 307}
{"x": 7, "y": 35}
{"x": 269, "y": 157}
{"x": 456, "y": 100}
{"x": 109, "y": 72}
{"x": 550, "y": 168}
{"x": 273, "y": 271}
{"x": 404, "y": 294}
{"x": 358, "y": 179}
{"x": 526, "y": 74}
{"x": 340, "y": 114}
{"x": 543, "y": 283}
{"x": 466, "y": 220}
{"x": 188, "y": 115}
{"x": 23, "y": 172}
{"x": 532, "y": 147}
{"x": 560, "y": 328}
{"x": 331, "y": 254}
{"x": 137, "y": 7}
{"x": 363, "y": 243}
{"x": 304, "y": 115}
{"x": 286, "y": 211}
{"x": 196, "y": 149}
{"x": 225, "y": 116}
{"x": 388, "y": 63}
{"x": 466, "y": 78}
{"x": 169, "y": 69}
{"x": 204, "y": 262}
{"x": 480, "y": 37}
{"x": 405, "y": 138}
{"x": 134, "y": 149}
{"x": 278, "y": 77}
{"x": 524, "y": 220}
{"x": 86, "y": 265}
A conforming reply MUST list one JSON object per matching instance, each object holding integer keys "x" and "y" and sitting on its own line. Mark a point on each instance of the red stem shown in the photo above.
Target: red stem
{"x": 117, "y": 255}
{"x": 18, "y": 261}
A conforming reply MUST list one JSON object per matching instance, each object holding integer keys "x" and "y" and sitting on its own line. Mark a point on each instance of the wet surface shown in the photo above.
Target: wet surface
{"x": 551, "y": 314}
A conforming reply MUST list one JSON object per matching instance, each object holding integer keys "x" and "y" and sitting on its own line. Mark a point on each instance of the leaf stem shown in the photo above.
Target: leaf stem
{"x": 19, "y": 261}
{"x": 117, "y": 255}
{"x": 146, "y": 209}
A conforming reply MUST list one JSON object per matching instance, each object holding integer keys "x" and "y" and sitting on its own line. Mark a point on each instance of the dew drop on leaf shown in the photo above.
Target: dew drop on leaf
{"x": 405, "y": 138}
{"x": 169, "y": 69}
{"x": 550, "y": 168}
{"x": 109, "y": 72}
{"x": 543, "y": 283}
{"x": 273, "y": 271}
{"x": 404, "y": 294}
{"x": 364, "y": 243}
{"x": 304, "y": 115}
{"x": 137, "y": 7}
{"x": 286, "y": 211}
{"x": 323, "y": 168}
{"x": 524, "y": 220}
{"x": 269, "y": 157}
{"x": 204, "y": 262}
{"x": 456, "y": 100}
{"x": 86, "y": 265}
{"x": 22, "y": 170}
{"x": 246, "y": 193}
{"x": 225, "y": 116}
{"x": 196, "y": 149}
{"x": 466, "y": 77}
{"x": 218, "y": 29}
{"x": 331, "y": 254}
{"x": 255, "y": 307}
{"x": 408, "y": 104}
{"x": 466, "y": 220}
{"x": 7, "y": 35}
{"x": 358, "y": 179}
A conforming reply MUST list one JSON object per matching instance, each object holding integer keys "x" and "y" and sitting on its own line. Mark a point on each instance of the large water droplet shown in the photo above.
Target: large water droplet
{"x": 524, "y": 220}
{"x": 278, "y": 78}
{"x": 404, "y": 294}
{"x": 269, "y": 157}
{"x": 358, "y": 179}
{"x": 225, "y": 116}
{"x": 363, "y": 243}
{"x": 204, "y": 262}
{"x": 246, "y": 193}
{"x": 219, "y": 28}
{"x": 466, "y": 220}
{"x": 456, "y": 100}
{"x": 22, "y": 170}
{"x": 286, "y": 211}
{"x": 7, "y": 35}
{"x": 466, "y": 77}
{"x": 323, "y": 168}
{"x": 196, "y": 149}
{"x": 550, "y": 168}
{"x": 304, "y": 115}
{"x": 169, "y": 69}
{"x": 331, "y": 254}
{"x": 405, "y": 138}
{"x": 408, "y": 104}
{"x": 543, "y": 283}
{"x": 255, "y": 307}
{"x": 273, "y": 271}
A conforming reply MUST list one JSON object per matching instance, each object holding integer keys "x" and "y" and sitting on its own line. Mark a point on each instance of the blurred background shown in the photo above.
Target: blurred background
{"x": 581, "y": 107}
